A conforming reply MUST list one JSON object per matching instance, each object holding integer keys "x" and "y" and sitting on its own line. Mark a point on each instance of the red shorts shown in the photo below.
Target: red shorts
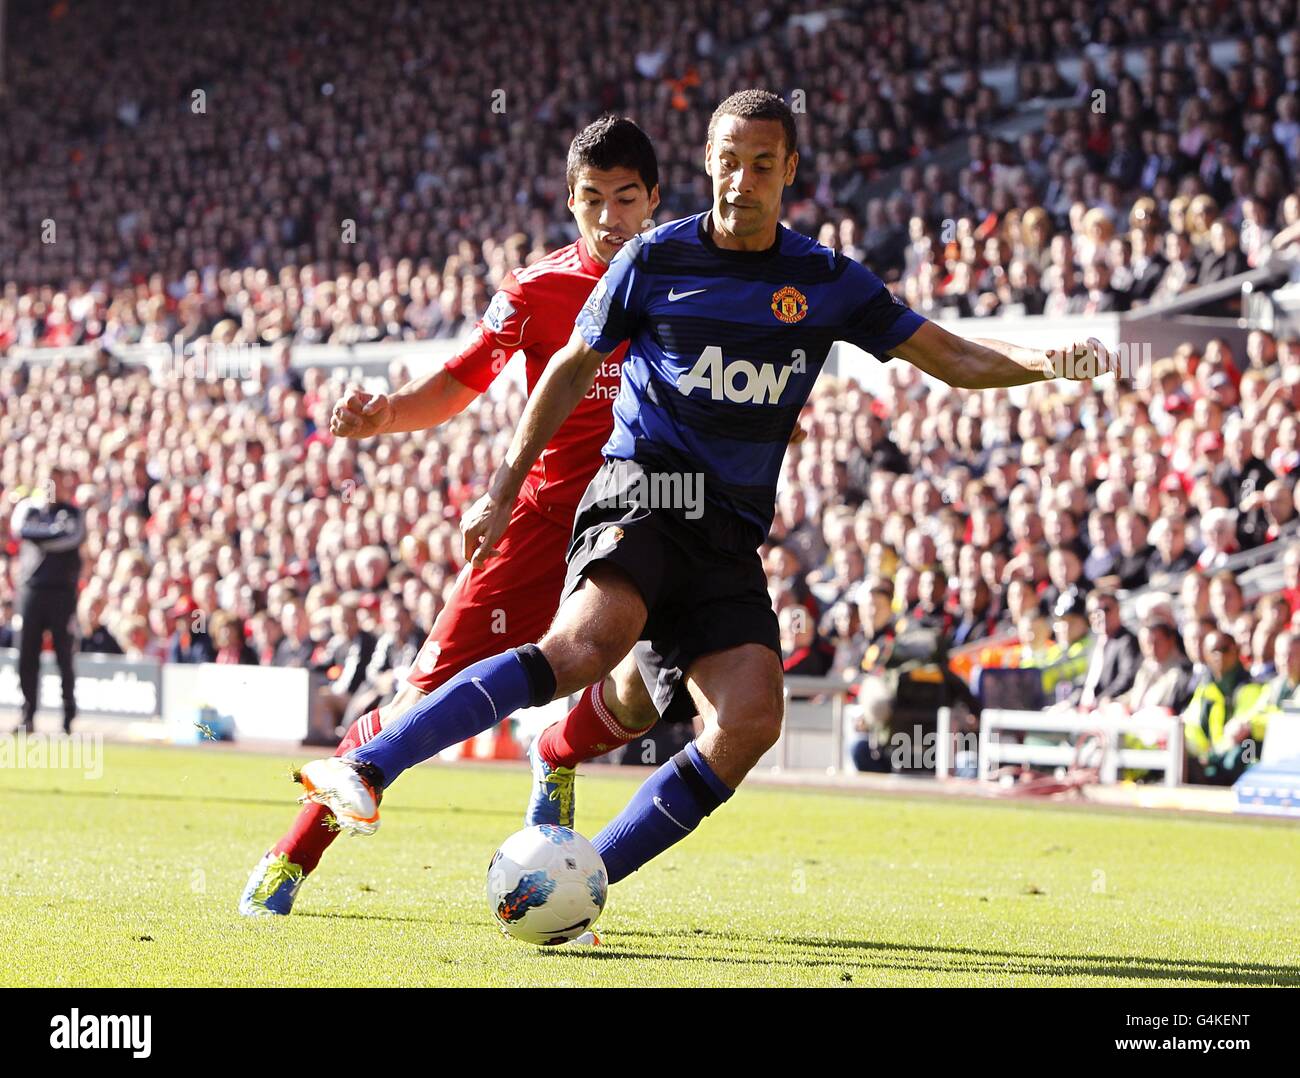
{"x": 510, "y": 601}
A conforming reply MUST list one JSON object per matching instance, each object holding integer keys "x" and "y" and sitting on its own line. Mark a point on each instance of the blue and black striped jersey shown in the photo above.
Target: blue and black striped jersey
{"x": 725, "y": 348}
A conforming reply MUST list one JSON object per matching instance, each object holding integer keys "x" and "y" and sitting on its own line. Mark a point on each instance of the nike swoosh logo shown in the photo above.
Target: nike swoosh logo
{"x": 660, "y": 806}
{"x": 674, "y": 296}
{"x": 478, "y": 684}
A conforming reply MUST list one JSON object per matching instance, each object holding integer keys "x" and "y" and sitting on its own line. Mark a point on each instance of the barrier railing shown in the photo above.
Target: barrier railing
{"x": 997, "y": 749}
{"x": 812, "y": 735}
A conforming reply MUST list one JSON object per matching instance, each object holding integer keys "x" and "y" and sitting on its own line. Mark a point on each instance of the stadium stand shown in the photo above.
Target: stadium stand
{"x": 919, "y": 531}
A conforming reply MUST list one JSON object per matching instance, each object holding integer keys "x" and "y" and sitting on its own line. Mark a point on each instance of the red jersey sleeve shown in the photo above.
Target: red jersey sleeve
{"x": 500, "y": 333}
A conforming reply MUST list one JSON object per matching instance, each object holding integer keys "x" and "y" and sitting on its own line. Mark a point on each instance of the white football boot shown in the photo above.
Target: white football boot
{"x": 350, "y": 790}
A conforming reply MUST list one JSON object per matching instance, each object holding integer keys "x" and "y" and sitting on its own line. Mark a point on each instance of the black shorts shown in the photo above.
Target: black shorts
{"x": 701, "y": 579}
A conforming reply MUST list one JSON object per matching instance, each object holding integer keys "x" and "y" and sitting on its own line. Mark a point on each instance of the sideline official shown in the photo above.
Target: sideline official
{"x": 52, "y": 530}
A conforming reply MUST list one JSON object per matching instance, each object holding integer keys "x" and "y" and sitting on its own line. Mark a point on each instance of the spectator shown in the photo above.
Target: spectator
{"x": 974, "y": 622}
{"x": 139, "y": 646}
{"x": 1146, "y": 268}
{"x": 1115, "y": 657}
{"x": 1280, "y": 691}
{"x": 1214, "y": 755}
{"x": 190, "y": 642}
{"x": 807, "y": 654}
{"x": 1171, "y": 557}
{"x": 930, "y": 613}
{"x": 1241, "y": 475}
{"x": 1224, "y": 258}
{"x": 1164, "y": 677}
{"x": 1278, "y": 506}
{"x": 297, "y": 649}
{"x": 1068, "y": 659}
{"x": 227, "y": 633}
{"x": 1103, "y": 553}
{"x": 1218, "y": 539}
{"x": 875, "y": 608}
{"x": 1034, "y": 640}
{"x": 1132, "y": 563}
{"x": 93, "y": 634}
{"x": 796, "y": 531}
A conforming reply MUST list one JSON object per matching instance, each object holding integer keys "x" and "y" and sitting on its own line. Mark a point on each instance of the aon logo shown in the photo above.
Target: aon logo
{"x": 739, "y": 381}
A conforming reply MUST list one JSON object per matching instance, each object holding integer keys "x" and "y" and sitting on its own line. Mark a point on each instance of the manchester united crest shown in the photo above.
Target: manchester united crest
{"x": 789, "y": 304}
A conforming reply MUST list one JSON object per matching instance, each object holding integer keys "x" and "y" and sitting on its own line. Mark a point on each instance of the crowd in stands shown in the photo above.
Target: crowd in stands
{"x": 225, "y": 523}
{"x": 200, "y": 170}
{"x": 919, "y": 524}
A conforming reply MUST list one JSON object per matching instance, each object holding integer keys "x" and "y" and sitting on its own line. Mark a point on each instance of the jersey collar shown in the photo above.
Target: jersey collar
{"x": 706, "y": 239}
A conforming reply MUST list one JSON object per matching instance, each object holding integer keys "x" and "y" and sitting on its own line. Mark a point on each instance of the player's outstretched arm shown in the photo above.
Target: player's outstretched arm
{"x": 987, "y": 364}
{"x": 566, "y": 380}
{"x": 422, "y": 403}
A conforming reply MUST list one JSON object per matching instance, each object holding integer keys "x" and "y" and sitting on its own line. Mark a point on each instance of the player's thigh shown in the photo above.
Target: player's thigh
{"x": 740, "y": 694}
{"x": 507, "y": 602}
{"x": 595, "y": 627}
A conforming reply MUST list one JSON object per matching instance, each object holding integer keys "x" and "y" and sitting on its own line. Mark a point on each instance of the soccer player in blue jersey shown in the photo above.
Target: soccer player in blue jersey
{"x": 730, "y": 317}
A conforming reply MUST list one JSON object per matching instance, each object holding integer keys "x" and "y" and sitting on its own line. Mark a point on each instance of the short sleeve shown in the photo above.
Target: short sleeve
{"x": 613, "y": 312}
{"x": 878, "y": 321}
{"x": 500, "y": 333}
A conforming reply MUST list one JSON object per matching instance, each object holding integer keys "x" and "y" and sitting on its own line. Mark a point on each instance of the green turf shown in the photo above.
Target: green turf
{"x": 132, "y": 879}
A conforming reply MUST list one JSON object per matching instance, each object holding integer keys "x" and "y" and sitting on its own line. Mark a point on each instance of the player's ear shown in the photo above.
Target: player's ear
{"x": 791, "y": 163}
{"x": 652, "y": 203}
{"x": 708, "y": 157}
{"x": 572, "y": 200}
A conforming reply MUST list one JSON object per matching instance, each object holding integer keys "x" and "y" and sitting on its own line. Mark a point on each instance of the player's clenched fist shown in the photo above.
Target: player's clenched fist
{"x": 359, "y": 414}
{"x": 1081, "y": 362}
{"x": 482, "y": 527}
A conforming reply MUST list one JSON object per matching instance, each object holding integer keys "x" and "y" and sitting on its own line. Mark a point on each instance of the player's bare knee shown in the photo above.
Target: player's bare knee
{"x": 577, "y": 662}
{"x": 749, "y": 719}
{"x": 752, "y": 730}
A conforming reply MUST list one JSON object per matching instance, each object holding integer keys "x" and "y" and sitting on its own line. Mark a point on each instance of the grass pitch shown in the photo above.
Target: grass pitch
{"x": 132, "y": 879}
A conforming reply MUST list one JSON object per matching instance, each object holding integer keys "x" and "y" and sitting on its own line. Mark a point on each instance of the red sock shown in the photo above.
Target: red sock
{"x": 308, "y": 838}
{"x": 589, "y": 730}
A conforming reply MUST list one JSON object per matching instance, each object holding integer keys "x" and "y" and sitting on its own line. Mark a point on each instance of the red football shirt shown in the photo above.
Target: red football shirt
{"x": 534, "y": 312}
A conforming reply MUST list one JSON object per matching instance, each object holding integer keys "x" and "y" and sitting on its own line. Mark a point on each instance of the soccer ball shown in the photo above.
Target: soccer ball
{"x": 546, "y": 885}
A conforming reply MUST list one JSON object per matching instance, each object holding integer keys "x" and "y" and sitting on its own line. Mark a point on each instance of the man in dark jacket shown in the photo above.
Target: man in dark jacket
{"x": 52, "y": 530}
{"x": 975, "y": 622}
{"x": 1148, "y": 265}
{"x": 1115, "y": 657}
{"x": 1240, "y": 475}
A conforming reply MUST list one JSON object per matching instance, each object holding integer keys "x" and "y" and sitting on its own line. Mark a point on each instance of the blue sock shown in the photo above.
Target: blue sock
{"x": 469, "y": 703}
{"x": 667, "y": 808}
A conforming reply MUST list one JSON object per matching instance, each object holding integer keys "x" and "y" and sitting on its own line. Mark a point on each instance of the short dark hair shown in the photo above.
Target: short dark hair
{"x": 757, "y": 105}
{"x": 613, "y": 142}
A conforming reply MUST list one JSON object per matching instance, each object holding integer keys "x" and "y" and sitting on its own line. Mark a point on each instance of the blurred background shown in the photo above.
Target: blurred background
{"x": 214, "y": 217}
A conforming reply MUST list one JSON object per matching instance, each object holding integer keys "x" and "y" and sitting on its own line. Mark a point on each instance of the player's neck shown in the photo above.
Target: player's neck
{"x": 587, "y": 251}
{"x": 725, "y": 241}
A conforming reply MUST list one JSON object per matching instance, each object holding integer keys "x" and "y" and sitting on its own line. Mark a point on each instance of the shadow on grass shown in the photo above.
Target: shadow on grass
{"x": 364, "y": 917}
{"x": 274, "y": 802}
{"x": 866, "y": 955}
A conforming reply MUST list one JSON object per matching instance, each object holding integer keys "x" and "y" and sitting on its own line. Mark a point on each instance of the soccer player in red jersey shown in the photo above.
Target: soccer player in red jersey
{"x": 613, "y": 183}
